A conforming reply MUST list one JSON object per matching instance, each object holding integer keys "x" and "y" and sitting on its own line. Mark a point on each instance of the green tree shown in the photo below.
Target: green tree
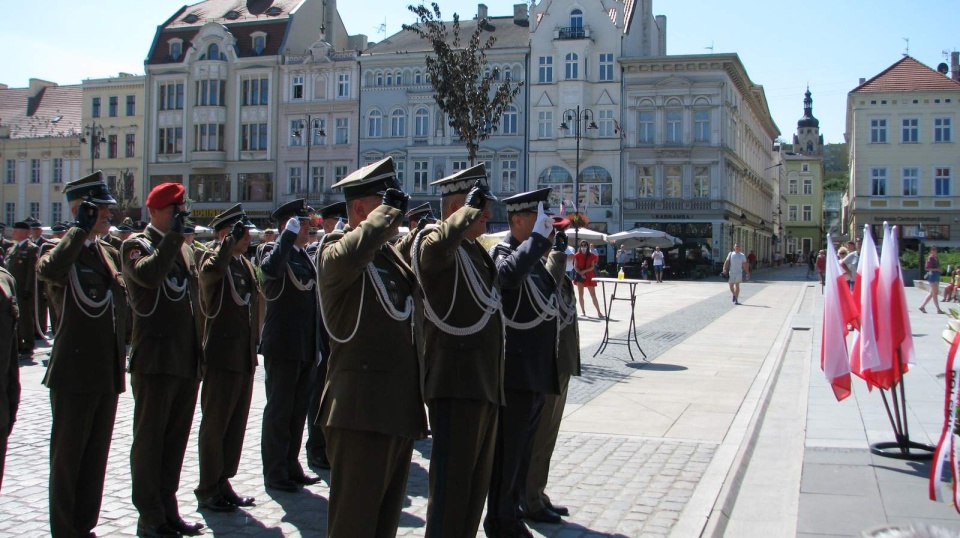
{"x": 473, "y": 99}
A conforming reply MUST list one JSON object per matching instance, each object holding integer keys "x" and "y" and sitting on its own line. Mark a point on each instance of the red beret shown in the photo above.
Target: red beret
{"x": 165, "y": 194}
{"x": 560, "y": 223}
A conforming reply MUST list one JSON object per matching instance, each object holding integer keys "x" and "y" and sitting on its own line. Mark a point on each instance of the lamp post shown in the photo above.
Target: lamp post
{"x": 93, "y": 135}
{"x": 920, "y": 236}
{"x": 309, "y": 141}
{"x": 578, "y": 116}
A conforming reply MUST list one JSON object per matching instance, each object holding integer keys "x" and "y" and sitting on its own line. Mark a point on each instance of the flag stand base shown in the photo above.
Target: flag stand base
{"x": 908, "y": 450}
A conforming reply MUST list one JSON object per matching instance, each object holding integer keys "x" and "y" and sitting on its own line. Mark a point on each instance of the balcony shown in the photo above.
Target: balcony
{"x": 571, "y": 32}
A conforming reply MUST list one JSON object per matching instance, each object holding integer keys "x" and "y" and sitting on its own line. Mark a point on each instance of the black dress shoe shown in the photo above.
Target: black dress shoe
{"x": 184, "y": 528}
{"x": 216, "y": 504}
{"x": 318, "y": 462}
{"x": 238, "y": 500}
{"x": 559, "y": 510}
{"x": 284, "y": 485}
{"x": 545, "y": 515}
{"x": 157, "y": 531}
{"x": 305, "y": 480}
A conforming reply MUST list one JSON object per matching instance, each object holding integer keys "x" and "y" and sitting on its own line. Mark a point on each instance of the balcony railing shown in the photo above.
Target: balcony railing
{"x": 573, "y": 32}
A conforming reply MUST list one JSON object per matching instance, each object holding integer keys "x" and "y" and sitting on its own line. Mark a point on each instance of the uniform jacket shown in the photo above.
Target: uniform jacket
{"x": 90, "y": 348}
{"x": 568, "y": 348}
{"x": 230, "y": 337}
{"x": 167, "y": 341}
{"x": 531, "y": 360}
{"x": 5, "y": 245}
{"x": 405, "y": 243}
{"x": 21, "y": 261}
{"x": 373, "y": 380}
{"x": 467, "y": 366}
{"x": 9, "y": 359}
{"x": 113, "y": 241}
{"x": 290, "y": 325}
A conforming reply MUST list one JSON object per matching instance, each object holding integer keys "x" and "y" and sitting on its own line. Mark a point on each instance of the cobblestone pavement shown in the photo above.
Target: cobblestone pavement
{"x": 614, "y": 485}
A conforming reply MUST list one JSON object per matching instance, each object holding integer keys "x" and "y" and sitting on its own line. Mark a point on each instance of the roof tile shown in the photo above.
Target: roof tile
{"x": 54, "y": 111}
{"x": 907, "y": 75}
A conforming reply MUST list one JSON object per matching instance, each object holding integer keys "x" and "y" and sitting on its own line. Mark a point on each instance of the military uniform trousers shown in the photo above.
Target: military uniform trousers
{"x": 518, "y": 423}
{"x": 316, "y": 444}
{"x": 368, "y": 482}
{"x": 162, "y": 416}
{"x": 43, "y": 308}
{"x": 461, "y": 461}
{"x": 284, "y": 415}
{"x": 79, "y": 447}
{"x": 544, "y": 441}
{"x": 225, "y": 402}
{"x": 26, "y": 332}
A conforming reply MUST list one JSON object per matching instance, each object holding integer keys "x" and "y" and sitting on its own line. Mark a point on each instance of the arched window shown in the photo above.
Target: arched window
{"x": 398, "y": 123}
{"x": 213, "y": 52}
{"x": 417, "y": 77}
{"x": 596, "y": 186}
{"x": 374, "y": 124}
{"x": 421, "y": 122}
{"x": 507, "y": 73}
{"x": 398, "y": 78}
{"x": 389, "y": 79}
{"x": 508, "y": 123}
{"x": 379, "y": 78}
{"x": 572, "y": 66}
{"x": 561, "y": 181}
{"x": 576, "y": 20}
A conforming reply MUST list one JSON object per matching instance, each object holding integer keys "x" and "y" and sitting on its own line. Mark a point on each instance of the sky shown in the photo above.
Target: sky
{"x": 828, "y": 44}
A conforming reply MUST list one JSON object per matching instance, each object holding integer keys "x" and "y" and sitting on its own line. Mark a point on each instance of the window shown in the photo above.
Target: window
{"x": 343, "y": 130}
{"x": 605, "y": 123}
{"x": 807, "y": 213}
{"x": 297, "y": 87}
{"x": 210, "y": 187}
{"x": 318, "y": 136}
{"x": 176, "y": 49}
{"x": 878, "y": 181}
{"x": 673, "y": 183}
{"x": 34, "y": 170}
{"x": 209, "y": 137}
{"x": 259, "y": 43}
{"x": 572, "y": 66}
{"x": 645, "y": 134}
{"x": 421, "y": 123}
{"x": 317, "y": 179}
{"x": 171, "y": 140}
{"x": 793, "y": 186}
{"x": 211, "y": 92}
{"x": 295, "y": 180}
{"x": 114, "y": 105}
{"x": 674, "y": 126}
{"x": 256, "y": 91}
{"x": 508, "y": 122}
{"x": 508, "y": 175}
{"x": 941, "y": 130}
{"x": 701, "y": 126}
{"x": 10, "y": 211}
{"x": 701, "y": 182}
{"x": 95, "y": 112}
{"x": 576, "y": 23}
{"x": 596, "y": 186}
{"x": 545, "y": 124}
{"x": 878, "y": 131}
{"x": 379, "y": 79}
{"x": 253, "y": 137}
{"x": 343, "y": 85}
{"x": 400, "y": 167}
{"x": 57, "y": 164}
{"x": 561, "y": 181}
{"x": 10, "y": 174}
{"x": 804, "y": 167}
{"x": 645, "y": 182}
{"x": 339, "y": 172}
{"x": 257, "y": 187}
{"x": 131, "y": 144}
{"x": 606, "y": 67}
{"x": 112, "y": 150}
{"x": 910, "y": 133}
{"x": 131, "y": 105}
{"x": 417, "y": 77}
{"x": 792, "y": 213}
{"x": 35, "y": 210}
{"x": 546, "y": 69}
{"x": 56, "y": 212}
{"x": 374, "y": 124}
{"x": 213, "y": 52}
{"x": 398, "y": 124}
{"x": 807, "y": 186}
{"x": 507, "y": 73}
{"x": 171, "y": 96}
{"x": 941, "y": 181}
{"x": 911, "y": 180}
{"x": 421, "y": 179}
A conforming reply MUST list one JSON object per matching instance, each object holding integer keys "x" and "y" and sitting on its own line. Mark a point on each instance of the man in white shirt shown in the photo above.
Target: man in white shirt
{"x": 658, "y": 264}
{"x": 849, "y": 264}
{"x": 736, "y": 268}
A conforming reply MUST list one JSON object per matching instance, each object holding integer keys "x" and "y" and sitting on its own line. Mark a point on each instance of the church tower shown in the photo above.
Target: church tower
{"x": 808, "y": 139}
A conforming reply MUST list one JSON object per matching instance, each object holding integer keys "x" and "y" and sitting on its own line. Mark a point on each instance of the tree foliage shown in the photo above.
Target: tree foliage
{"x": 472, "y": 98}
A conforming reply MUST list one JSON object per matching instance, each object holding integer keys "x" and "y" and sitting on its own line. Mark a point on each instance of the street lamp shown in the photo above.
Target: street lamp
{"x": 920, "y": 236}
{"x": 310, "y": 138}
{"x": 93, "y": 135}
{"x": 578, "y": 116}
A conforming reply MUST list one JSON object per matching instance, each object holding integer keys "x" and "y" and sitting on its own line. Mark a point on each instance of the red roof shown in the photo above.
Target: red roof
{"x": 908, "y": 75}
{"x": 54, "y": 111}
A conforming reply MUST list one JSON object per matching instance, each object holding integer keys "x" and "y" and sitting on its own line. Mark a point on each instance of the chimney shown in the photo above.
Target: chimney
{"x": 862, "y": 80}
{"x": 955, "y": 65}
{"x": 662, "y": 35}
{"x": 481, "y": 12}
{"x": 520, "y": 17}
{"x": 4, "y": 87}
{"x": 37, "y": 85}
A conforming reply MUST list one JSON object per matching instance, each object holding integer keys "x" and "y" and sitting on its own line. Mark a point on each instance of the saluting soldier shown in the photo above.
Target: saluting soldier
{"x": 229, "y": 295}
{"x": 85, "y": 374}
{"x": 535, "y": 502}
{"x": 463, "y": 352}
{"x": 57, "y": 230}
{"x": 289, "y": 347}
{"x": 36, "y": 235}
{"x": 530, "y": 314}
{"x": 371, "y": 409}
{"x": 161, "y": 279}
{"x": 266, "y": 245}
{"x": 21, "y": 261}
{"x": 9, "y": 361}
{"x": 417, "y": 218}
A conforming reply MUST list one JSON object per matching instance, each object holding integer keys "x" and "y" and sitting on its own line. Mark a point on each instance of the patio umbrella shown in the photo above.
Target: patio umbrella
{"x": 592, "y": 236}
{"x": 643, "y": 238}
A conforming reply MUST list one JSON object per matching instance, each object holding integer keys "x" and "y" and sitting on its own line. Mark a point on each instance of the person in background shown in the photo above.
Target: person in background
{"x": 21, "y": 262}
{"x": 932, "y": 266}
{"x": 950, "y": 290}
{"x": 621, "y": 257}
{"x": 658, "y": 264}
{"x": 752, "y": 260}
{"x": 585, "y": 266}
{"x": 9, "y": 361}
{"x": 821, "y": 264}
{"x": 736, "y": 268}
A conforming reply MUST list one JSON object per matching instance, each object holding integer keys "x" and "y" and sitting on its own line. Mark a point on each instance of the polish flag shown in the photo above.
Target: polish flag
{"x": 839, "y": 312}
{"x": 896, "y": 341}
{"x": 865, "y": 355}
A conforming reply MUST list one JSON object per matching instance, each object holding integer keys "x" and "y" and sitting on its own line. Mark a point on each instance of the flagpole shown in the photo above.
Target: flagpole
{"x": 903, "y": 444}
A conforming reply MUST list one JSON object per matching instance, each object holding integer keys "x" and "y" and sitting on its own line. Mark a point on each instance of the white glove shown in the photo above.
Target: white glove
{"x": 293, "y": 225}
{"x": 339, "y": 225}
{"x": 544, "y": 225}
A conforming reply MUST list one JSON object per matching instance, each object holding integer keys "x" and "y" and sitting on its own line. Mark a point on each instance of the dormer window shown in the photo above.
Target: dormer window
{"x": 176, "y": 49}
{"x": 259, "y": 42}
{"x": 213, "y": 51}
{"x": 576, "y": 19}
{"x": 191, "y": 18}
{"x": 232, "y": 15}
{"x": 274, "y": 11}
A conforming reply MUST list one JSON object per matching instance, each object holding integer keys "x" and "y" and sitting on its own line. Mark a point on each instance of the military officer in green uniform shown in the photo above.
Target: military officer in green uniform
{"x": 463, "y": 352}
{"x": 417, "y": 218}
{"x": 161, "y": 279}
{"x": 21, "y": 261}
{"x": 42, "y": 304}
{"x": 229, "y": 296}
{"x": 371, "y": 409}
{"x": 85, "y": 374}
{"x": 9, "y": 363}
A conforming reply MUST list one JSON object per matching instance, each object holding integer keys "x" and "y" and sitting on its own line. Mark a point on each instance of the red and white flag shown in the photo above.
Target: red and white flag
{"x": 865, "y": 355}
{"x": 949, "y": 440}
{"x": 895, "y": 342}
{"x": 839, "y": 312}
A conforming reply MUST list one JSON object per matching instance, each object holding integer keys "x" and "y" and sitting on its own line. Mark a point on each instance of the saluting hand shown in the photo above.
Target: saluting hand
{"x": 176, "y": 225}
{"x": 86, "y": 216}
{"x": 238, "y": 230}
{"x": 560, "y": 242}
{"x": 293, "y": 225}
{"x": 544, "y": 224}
{"x": 476, "y": 198}
{"x": 396, "y": 199}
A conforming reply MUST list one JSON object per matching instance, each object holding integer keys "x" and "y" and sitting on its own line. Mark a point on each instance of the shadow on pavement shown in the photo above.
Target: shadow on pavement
{"x": 227, "y": 525}
{"x": 753, "y": 305}
{"x": 656, "y": 366}
{"x": 568, "y": 528}
{"x": 302, "y": 510}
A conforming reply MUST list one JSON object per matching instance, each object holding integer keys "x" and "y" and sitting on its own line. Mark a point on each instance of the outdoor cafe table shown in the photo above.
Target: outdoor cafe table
{"x": 631, "y": 336}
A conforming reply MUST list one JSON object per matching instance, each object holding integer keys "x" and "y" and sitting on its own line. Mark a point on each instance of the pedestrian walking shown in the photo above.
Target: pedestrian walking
{"x": 932, "y": 267}
{"x": 371, "y": 409}
{"x": 658, "y": 264}
{"x": 21, "y": 262}
{"x": 811, "y": 264}
{"x": 821, "y": 264}
{"x": 849, "y": 263}
{"x": 736, "y": 269}
{"x": 9, "y": 362}
{"x": 86, "y": 371}
{"x": 161, "y": 279}
{"x": 584, "y": 266}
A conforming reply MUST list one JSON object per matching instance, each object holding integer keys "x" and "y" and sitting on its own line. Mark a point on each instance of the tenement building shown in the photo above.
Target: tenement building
{"x": 803, "y": 174}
